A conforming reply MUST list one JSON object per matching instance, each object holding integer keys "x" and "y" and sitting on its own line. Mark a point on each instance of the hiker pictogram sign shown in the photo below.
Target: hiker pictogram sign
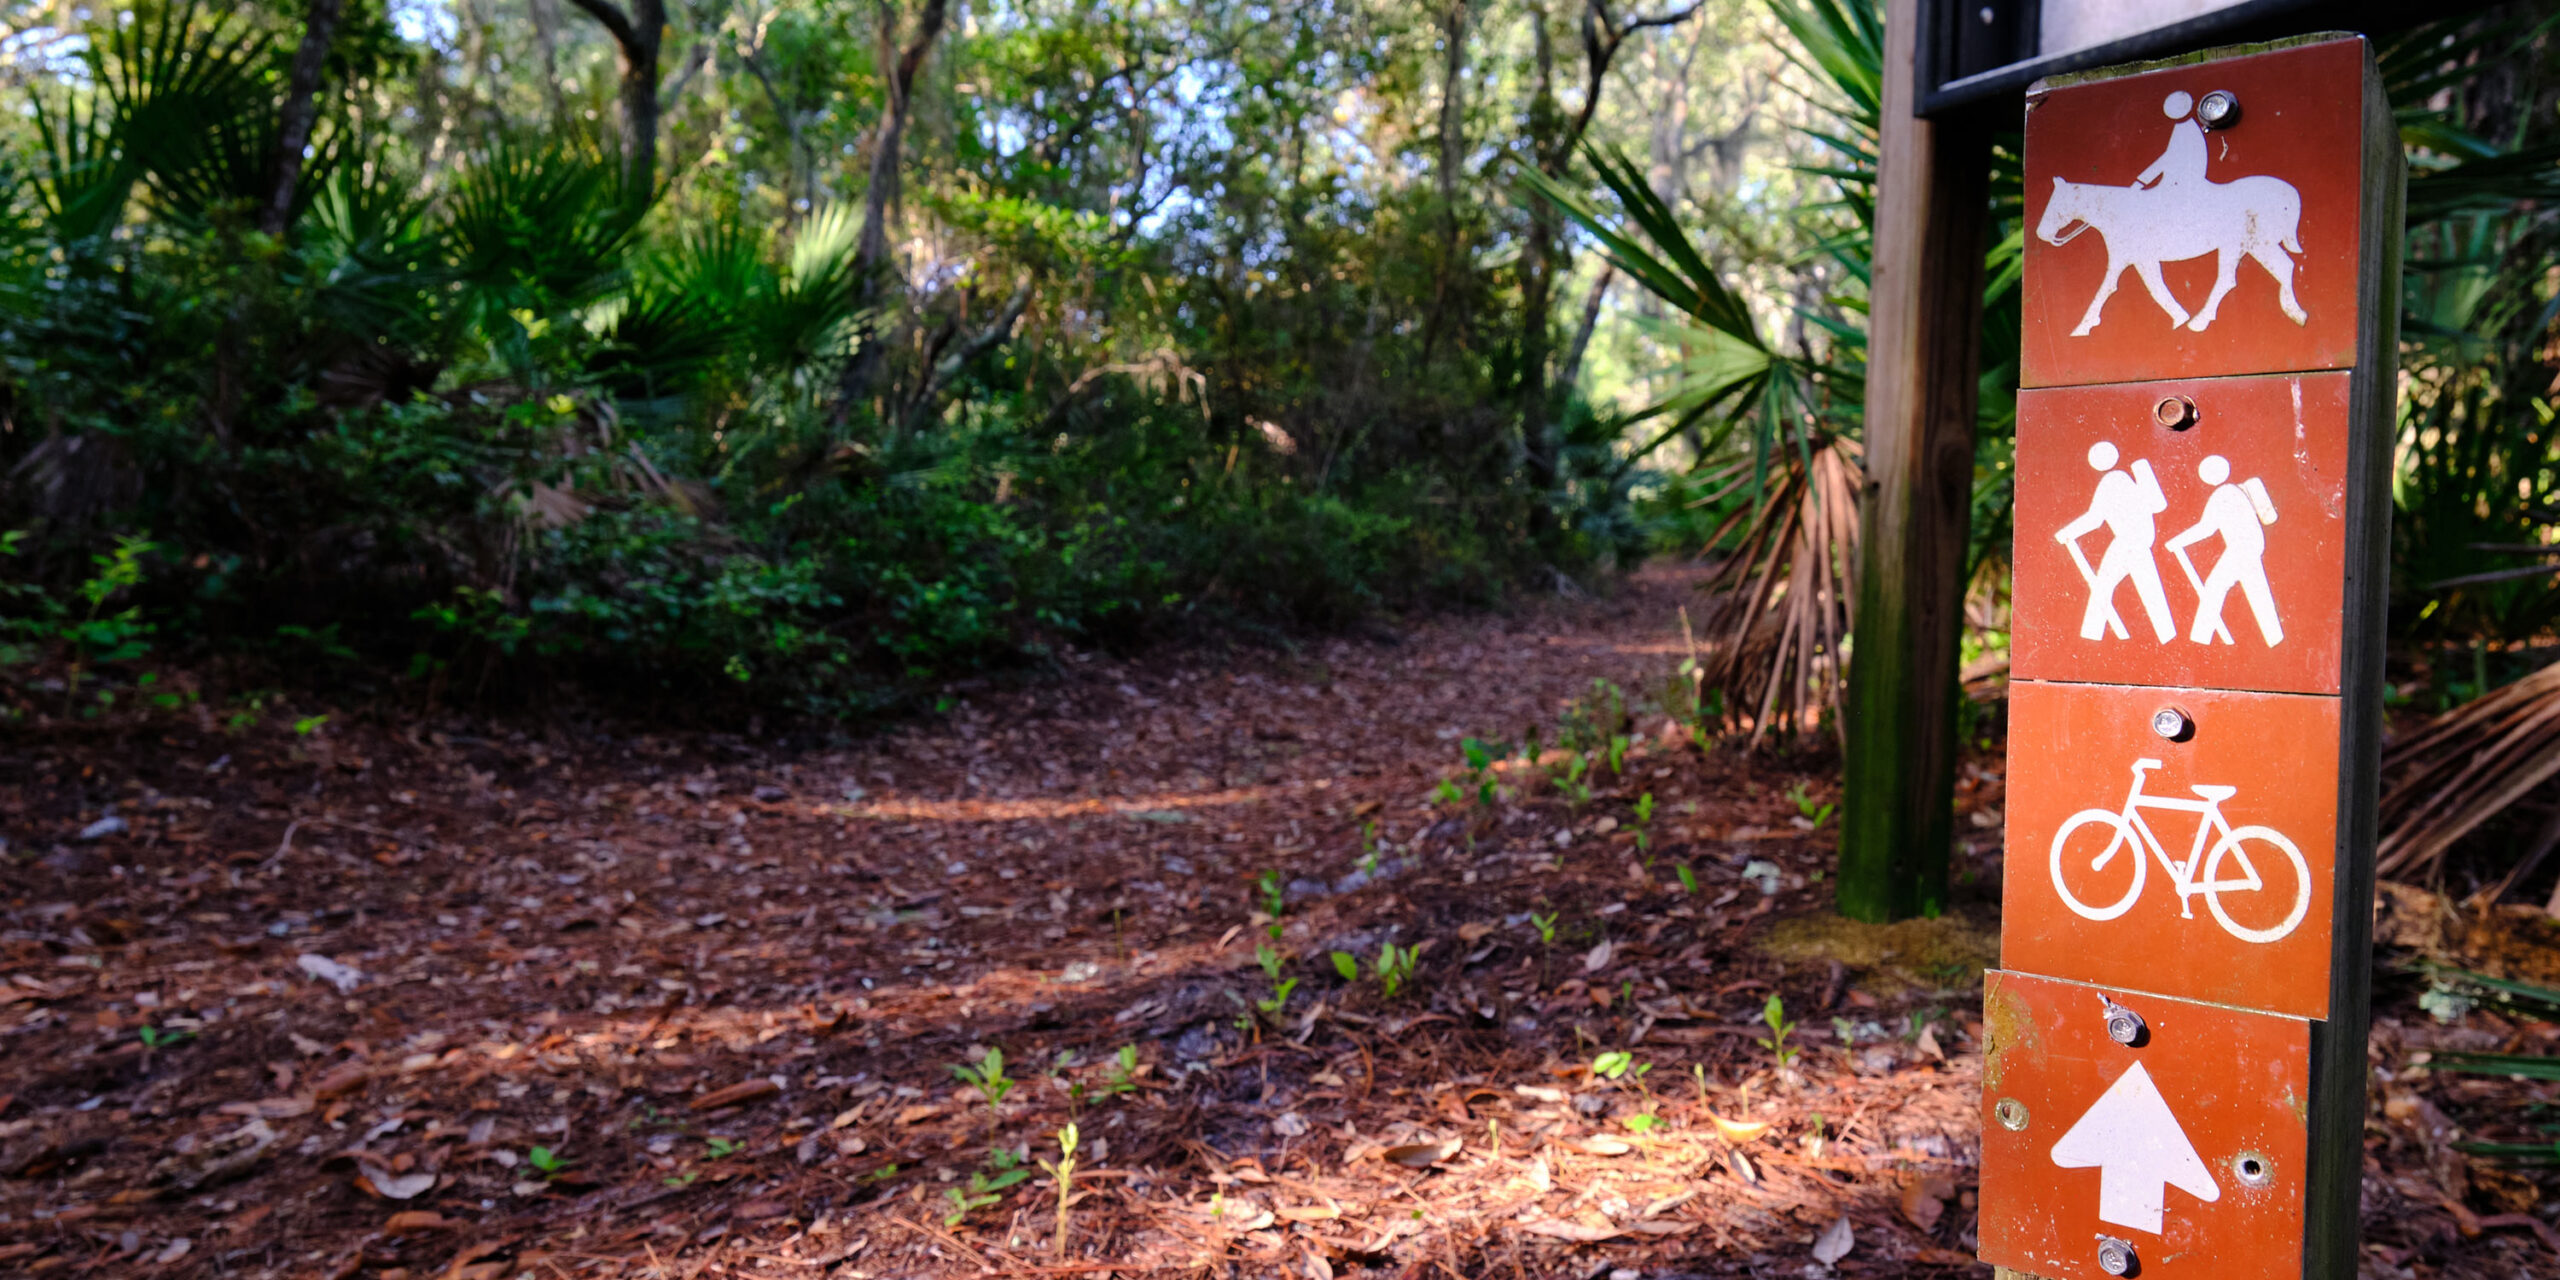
{"x": 2173, "y": 841}
{"x": 2183, "y": 533}
{"x": 2162, "y": 1135}
{"x": 2166, "y": 240}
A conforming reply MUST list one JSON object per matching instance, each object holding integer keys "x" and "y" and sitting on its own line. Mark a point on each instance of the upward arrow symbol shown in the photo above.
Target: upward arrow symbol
{"x": 2139, "y": 1150}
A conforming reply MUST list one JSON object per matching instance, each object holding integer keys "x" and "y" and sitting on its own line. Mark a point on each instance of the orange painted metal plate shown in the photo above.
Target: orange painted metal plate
{"x": 2210, "y": 555}
{"x": 2189, "y": 1146}
{"x": 2201, "y": 868}
{"x": 2125, "y": 182}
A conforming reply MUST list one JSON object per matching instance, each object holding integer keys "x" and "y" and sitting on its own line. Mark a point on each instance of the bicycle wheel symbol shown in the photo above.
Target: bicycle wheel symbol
{"x": 2091, "y": 861}
{"x": 2257, "y": 893}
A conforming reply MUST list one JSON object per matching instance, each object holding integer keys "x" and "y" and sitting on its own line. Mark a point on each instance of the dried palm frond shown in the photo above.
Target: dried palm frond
{"x": 2465, "y": 767}
{"x": 1781, "y": 602}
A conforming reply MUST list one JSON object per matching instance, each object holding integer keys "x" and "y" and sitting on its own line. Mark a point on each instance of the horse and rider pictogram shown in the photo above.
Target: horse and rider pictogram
{"x": 2173, "y": 212}
{"x": 2170, "y": 236}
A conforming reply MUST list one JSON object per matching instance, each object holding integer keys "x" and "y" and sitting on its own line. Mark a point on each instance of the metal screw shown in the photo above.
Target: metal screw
{"x": 2173, "y": 724}
{"x": 2116, "y": 1257}
{"x": 2124, "y": 1026}
{"x": 2253, "y": 1170}
{"x": 2177, "y": 413}
{"x": 2218, "y": 110}
{"x": 2011, "y": 1113}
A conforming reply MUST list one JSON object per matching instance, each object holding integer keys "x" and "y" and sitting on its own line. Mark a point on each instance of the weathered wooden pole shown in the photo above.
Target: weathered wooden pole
{"x": 1923, "y": 364}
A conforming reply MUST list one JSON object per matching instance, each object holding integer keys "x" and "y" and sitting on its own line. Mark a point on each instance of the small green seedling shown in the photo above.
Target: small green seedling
{"x": 1618, "y": 745}
{"x": 1546, "y": 926}
{"x": 1688, "y": 878}
{"x": 1275, "y": 900}
{"x": 1278, "y": 1000}
{"x": 1622, "y": 1067}
{"x": 1063, "y": 1173}
{"x": 1775, "y": 1014}
{"x": 1394, "y": 968}
{"x": 988, "y": 1079}
{"x": 158, "y": 1038}
{"x": 1124, "y": 1071}
{"x": 308, "y": 725}
{"x": 1574, "y": 780}
{"x": 1347, "y": 965}
{"x": 981, "y": 1190}
{"x": 547, "y": 1162}
{"x": 1369, "y": 847}
{"x": 1481, "y": 756}
{"x": 720, "y": 1148}
{"x": 1806, "y": 806}
{"x": 1644, "y": 826}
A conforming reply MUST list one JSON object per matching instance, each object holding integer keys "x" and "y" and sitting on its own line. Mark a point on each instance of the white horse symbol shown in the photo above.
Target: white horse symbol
{"x": 2176, "y": 220}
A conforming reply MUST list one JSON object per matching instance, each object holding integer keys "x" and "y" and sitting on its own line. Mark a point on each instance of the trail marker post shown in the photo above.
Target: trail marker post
{"x": 2174, "y": 1084}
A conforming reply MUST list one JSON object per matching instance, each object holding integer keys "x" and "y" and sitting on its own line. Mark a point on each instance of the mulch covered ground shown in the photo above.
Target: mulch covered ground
{"x": 405, "y": 999}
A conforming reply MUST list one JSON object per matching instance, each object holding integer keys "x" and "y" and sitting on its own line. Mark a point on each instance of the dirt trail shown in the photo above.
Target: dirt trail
{"x": 409, "y": 1001}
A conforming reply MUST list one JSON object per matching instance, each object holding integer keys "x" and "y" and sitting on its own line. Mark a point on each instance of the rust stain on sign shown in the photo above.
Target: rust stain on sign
{"x": 2175, "y": 841}
{"x": 2167, "y": 1131}
{"x": 2174, "y": 233}
{"x": 2183, "y": 533}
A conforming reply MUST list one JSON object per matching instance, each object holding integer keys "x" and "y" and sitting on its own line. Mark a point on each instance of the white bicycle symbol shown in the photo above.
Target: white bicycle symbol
{"x": 2231, "y": 848}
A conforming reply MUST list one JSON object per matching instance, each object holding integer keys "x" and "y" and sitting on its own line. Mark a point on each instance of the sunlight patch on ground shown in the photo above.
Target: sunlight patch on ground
{"x": 1020, "y": 810}
{"x": 1946, "y": 952}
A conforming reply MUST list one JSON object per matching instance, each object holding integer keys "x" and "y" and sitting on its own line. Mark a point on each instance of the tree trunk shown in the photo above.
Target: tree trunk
{"x": 1923, "y": 370}
{"x": 1546, "y": 122}
{"x": 301, "y": 111}
{"x": 637, "y": 35}
{"x": 1453, "y": 154}
{"x": 879, "y": 199}
{"x": 1569, "y": 373}
{"x": 545, "y": 15}
{"x": 1552, "y": 141}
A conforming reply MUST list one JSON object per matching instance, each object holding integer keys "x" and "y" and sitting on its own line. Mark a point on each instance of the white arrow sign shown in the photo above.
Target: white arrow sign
{"x": 2130, "y": 1136}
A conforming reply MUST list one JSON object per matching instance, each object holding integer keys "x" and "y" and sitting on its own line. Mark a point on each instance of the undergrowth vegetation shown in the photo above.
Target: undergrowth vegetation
{"x": 471, "y": 410}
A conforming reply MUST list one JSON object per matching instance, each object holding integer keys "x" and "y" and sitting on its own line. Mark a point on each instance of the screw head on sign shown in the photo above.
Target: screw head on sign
{"x": 2218, "y": 110}
{"x": 2116, "y": 1257}
{"x": 2011, "y": 1113}
{"x": 2124, "y": 1026}
{"x": 2177, "y": 413}
{"x": 2173, "y": 724}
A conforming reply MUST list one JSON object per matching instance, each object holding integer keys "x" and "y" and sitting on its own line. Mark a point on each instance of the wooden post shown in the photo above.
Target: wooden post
{"x": 1923, "y": 366}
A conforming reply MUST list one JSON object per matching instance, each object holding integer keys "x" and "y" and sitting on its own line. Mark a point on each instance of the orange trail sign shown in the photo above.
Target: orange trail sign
{"x": 2176, "y": 1064}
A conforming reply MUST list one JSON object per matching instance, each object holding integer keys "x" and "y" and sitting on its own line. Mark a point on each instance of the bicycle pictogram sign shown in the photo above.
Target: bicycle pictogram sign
{"x": 2086, "y": 847}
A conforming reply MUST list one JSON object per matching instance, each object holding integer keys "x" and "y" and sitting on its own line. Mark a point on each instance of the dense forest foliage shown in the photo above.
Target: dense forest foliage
{"x": 739, "y": 355}
{"x": 922, "y": 337}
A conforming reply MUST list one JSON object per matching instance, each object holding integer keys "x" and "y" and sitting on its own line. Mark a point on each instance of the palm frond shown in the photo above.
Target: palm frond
{"x": 195, "y": 106}
{"x": 544, "y": 228}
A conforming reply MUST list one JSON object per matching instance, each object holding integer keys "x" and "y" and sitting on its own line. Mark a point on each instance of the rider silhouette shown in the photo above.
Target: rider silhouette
{"x": 2183, "y": 164}
{"x": 2124, "y": 503}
